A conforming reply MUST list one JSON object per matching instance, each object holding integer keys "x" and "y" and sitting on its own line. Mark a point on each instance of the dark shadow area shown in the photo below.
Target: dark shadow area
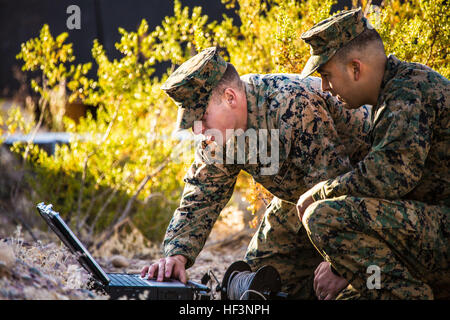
{"x": 21, "y": 20}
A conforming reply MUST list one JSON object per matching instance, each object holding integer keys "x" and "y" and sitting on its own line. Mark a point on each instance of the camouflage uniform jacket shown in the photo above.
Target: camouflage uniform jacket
{"x": 410, "y": 153}
{"x": 309, "y": 152}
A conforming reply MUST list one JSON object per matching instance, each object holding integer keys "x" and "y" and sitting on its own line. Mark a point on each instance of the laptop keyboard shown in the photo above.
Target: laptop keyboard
{"x": 128, "y": 280}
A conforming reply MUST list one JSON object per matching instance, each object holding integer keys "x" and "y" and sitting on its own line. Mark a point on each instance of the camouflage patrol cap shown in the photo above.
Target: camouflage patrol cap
{"x": 331, "y": 34}
{"x": 190, "y": 85}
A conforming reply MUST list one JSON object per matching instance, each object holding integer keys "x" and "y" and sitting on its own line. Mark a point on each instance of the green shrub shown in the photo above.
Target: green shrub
{"x": 120, "y": 163}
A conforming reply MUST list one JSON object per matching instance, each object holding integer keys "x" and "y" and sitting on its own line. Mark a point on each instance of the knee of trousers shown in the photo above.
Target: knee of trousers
{"x": 322, "y": 219}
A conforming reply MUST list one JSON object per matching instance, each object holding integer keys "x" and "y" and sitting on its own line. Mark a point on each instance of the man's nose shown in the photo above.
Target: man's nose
{"x": 325, "y": 86}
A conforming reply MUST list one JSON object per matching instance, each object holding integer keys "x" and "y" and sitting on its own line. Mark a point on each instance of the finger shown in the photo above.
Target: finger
{"x": 144, "y": 271}
{"x": 169, "y": 267}
{"x": 151, "y": 271}
{"x": 183, "y": 276}
{"x": 321, "y": 293}
{"x": 161, "y": 269}
{"x": 318, "y": 287}
{"x": 318, "y": 269}
{"x": 317, "y": 277}
{"x": 323, "y": 267}
{"x": 330, "y": 297}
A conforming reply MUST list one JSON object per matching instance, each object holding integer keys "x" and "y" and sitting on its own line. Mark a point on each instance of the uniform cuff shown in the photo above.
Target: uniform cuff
{"x": 334, "y": 271}
{"x": 318, "y": 192}
{"x": 176, "y": 251}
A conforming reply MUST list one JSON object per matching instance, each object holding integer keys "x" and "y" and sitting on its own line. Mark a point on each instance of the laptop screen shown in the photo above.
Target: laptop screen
{"x": 66, "y": 235}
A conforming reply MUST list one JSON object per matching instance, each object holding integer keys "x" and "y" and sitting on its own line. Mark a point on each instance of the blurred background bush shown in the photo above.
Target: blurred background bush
{"x": 120, "y": 166}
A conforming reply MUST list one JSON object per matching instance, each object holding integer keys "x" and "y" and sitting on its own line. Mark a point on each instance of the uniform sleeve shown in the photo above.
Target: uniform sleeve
{"x": 401, "y": 140}
{"x": 207, "y": 190}
{"x": 353, "y": 127}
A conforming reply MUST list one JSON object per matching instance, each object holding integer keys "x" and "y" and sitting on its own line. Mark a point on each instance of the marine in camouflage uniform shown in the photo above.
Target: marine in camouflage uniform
{"x": 392, "y": 209}
{"x": 313, "y": 146}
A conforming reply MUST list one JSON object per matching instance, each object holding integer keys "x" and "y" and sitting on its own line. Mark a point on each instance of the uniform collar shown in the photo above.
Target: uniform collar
{"x": 390, "y": 71}
{"x": 253, "y": 115}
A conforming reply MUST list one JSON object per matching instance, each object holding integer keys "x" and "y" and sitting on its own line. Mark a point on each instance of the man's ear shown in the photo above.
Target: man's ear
{"x": 230, "y": 97}
{"x": 356, "y": 69}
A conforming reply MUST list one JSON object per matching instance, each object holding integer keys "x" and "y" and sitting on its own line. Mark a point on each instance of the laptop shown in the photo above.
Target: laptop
{"x": 119, "y": 285}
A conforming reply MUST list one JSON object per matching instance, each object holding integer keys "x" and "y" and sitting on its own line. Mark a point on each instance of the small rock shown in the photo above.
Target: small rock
{"x": 35, "y": 271}
{"x": 4, "y": 293}
{"x": 4, "y": 270}
{"x": 27, "y": 280}
{"x": 119, "y": 261}
{"x": 7, "y": 256}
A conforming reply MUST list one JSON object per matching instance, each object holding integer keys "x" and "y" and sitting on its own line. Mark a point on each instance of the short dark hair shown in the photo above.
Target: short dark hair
{"x": 366, "y": 37}
{"x": 230, "y": 78}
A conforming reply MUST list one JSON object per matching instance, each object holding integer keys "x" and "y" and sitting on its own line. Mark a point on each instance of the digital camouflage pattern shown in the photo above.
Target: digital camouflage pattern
{"x": 282, "y": 242}
{"x": 329, "y": 35}
{"x": 410, "y": 153}
{"x": 316, "y": 135}
{"x": 407, "y": 240}
{"x": 392, "y": 210}
{"x": 191, "y": 84}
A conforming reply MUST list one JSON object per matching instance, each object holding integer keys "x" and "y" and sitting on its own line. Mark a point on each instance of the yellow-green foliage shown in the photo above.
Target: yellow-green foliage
{"x": 418, "y": 31}
{"x": 120, "y": 164}
{"x": 51, "y": 56}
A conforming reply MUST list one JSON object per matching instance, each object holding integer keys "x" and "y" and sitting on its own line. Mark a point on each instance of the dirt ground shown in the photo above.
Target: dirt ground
{"x": 45, "y": 269}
